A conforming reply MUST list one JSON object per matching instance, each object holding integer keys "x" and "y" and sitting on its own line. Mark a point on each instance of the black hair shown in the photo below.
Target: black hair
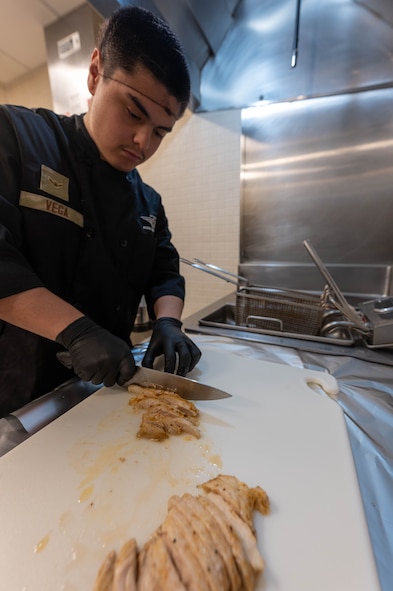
{"x": 134, "y": 36}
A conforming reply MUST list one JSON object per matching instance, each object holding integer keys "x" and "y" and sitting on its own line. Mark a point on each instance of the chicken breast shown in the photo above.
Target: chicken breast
{"x": 220, "y": 561}
{"x": 245, "y": 577}
{"x": 243, "y": 532}
{"x": 156, "y": 569}
{"x": 146, "y": 396}
{"x": 208, "y": 547}
{"x": 165, "y": 413}
{"x": 160, "y": 422}
{"x": 242, "y": 499}
{"x": 206, "y": 542}
{"x": 181, "y": 544}
{"x": 125, "y": 568}
{"x": 105, "y": 574}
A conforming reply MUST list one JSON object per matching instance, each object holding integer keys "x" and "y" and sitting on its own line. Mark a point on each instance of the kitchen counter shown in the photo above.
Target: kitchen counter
{"x": 85, "y": 483}
{"x": 365, "y": 395}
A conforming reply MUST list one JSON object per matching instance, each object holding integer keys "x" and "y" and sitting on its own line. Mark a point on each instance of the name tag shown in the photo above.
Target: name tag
{"x": 41, "y": 203}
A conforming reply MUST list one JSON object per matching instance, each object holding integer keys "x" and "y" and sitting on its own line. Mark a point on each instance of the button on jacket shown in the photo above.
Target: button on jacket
{"x": 94, "y": 236}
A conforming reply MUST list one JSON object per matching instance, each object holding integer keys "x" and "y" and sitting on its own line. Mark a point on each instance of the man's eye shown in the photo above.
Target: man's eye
{"x": 133, "y": 115}
{"x": 161, "y": 133}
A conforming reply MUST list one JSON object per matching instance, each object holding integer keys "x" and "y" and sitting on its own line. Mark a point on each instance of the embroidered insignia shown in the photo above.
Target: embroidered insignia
{"x": 54, "y": 183}
{"x": 150, "y": 222}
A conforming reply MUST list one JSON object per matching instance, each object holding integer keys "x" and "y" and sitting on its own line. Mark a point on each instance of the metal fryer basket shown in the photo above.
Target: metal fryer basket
{"x": 273, "y": 309}
{"x": 279, "y": 310}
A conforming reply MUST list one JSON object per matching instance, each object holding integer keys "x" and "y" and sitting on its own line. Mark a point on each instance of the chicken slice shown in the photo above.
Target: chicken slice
{"x": 245, "y": 572}
{"x": 190, "y": 510}
{"x": 243, "y": 532}
{"x": 125, "y": 569}
{"x": 206, "y": 543}
{"x": 180, "y": 542}
{"x": 157, "y": 406}
{"x": 152, "y": 429}
{"x": 105, "y": 574}
{"x": 156, "y": 569}
{"x": 197, "y": 507}
{"x": 159, "y": 425}
{"x": 259, "y": 500}
{"x": 162, "y": 409}
{"x": 165, "y": 413}
{"x": 145, "y": 397}
{"x": 239, "y": 496}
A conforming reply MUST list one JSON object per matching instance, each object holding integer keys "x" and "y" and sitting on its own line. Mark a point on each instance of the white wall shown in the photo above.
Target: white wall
{"x": 32, "y": 90}
{"x": 197, "y": 173}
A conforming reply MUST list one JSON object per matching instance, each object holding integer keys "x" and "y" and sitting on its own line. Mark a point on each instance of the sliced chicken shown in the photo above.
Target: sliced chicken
{"x": 160, "y": 422}
{"x": 241, "y": 563}
{"x": 207, "y": 542}
{"x": 242, "y": 499}
{"x": 194, "y": 514}
{"x": 165, "y": 413}
{"x": 146, "y": 396}
{"x": 104, "y": 578}
{"x": 183, "y": 549}
{"x": 243, "y": 532}
{"x": 156, "y": 569}
{"x": 125, "y": 569}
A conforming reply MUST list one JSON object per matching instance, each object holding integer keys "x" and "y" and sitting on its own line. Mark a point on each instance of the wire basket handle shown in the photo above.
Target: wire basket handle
{"x": 212, "y": 270}
{"x": 336, "y": 296}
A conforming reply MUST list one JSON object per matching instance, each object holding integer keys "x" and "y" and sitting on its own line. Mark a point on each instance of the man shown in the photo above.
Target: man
{"x": 82, "y": 238}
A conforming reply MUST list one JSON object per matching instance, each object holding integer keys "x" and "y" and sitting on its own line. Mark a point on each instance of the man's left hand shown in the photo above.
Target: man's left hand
{"x": 169, "y": 340}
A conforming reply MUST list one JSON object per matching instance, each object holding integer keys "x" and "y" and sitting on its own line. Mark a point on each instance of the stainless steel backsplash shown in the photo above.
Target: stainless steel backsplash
{"x": 319, "y": 169}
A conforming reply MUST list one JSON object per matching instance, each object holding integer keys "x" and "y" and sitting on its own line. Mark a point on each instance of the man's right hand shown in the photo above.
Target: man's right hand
{"x": 95, "y": 354}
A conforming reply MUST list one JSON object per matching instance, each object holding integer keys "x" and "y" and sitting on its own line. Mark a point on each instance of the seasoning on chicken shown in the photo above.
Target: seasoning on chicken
{"x": 240, "y": 498}
{"x": 105, "y": 574}
{"x": 207, "y": 542}
{"x": 125, "y": 568}
{"x": 165, "y": 413}
{"x": 156, "y": 569}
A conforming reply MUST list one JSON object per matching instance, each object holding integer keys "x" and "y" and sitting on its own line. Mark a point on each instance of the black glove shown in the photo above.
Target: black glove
{"x": 95, "y": 354}
{"x": 169, "y": 340}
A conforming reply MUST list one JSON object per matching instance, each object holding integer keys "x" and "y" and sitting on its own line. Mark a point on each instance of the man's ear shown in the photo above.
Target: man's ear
{"x": 94, "y": 71}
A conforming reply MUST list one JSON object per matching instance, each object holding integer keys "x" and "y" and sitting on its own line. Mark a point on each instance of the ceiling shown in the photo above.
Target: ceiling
{"x": 22, "y": 40}
{"x": 343, "y": 45}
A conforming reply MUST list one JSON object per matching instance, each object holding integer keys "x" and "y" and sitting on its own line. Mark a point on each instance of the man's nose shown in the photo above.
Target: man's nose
{"x": 142, "y": 138}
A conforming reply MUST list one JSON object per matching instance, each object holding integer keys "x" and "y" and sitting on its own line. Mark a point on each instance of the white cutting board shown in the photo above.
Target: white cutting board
{"x": 85, "y": 484}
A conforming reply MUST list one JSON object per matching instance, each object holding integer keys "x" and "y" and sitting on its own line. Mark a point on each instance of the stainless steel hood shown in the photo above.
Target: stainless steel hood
{"x": 344, "y": 45}
{"x": 201, "y": 25}
{"x": 240, "y": 51}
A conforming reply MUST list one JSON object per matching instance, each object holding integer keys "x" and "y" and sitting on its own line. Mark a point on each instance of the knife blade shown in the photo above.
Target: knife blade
{"x": 185, "y": 387}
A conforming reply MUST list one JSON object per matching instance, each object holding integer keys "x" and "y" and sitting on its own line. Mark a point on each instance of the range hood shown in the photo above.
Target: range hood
{"x": 240, "y": 51}
{"x": 201, "y": 25}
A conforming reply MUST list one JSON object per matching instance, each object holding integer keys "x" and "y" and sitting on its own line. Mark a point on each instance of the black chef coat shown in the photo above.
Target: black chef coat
{"x": 94, "y": 236}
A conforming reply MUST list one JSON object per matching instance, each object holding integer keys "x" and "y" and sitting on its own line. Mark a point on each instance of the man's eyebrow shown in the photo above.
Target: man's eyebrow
{"x": 166, "y": 109}
{"x": 143, "y": 110}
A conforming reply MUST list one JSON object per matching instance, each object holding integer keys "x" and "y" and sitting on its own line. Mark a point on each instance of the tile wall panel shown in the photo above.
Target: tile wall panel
{"x": 197, "y": 173}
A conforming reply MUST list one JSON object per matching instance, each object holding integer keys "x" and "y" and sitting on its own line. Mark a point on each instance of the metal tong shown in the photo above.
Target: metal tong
{"x": 216, "y": 271}
{"x": 334, "y": 294}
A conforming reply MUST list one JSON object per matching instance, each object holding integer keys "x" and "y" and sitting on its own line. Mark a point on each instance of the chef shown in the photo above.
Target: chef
{"x": 82, "y": 237}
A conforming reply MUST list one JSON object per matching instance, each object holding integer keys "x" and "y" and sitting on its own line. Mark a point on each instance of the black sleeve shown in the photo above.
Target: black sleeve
{"x": 166, "y": 279}
{"x": 16, "y": 274}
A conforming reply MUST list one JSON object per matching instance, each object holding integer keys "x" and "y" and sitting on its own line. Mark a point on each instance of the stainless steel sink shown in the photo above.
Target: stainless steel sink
{"x": 225, "y": 317}
{"x": 218, "y": 319}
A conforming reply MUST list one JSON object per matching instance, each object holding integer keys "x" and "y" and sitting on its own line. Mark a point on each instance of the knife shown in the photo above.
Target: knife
{"x": 185, "y": 387}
